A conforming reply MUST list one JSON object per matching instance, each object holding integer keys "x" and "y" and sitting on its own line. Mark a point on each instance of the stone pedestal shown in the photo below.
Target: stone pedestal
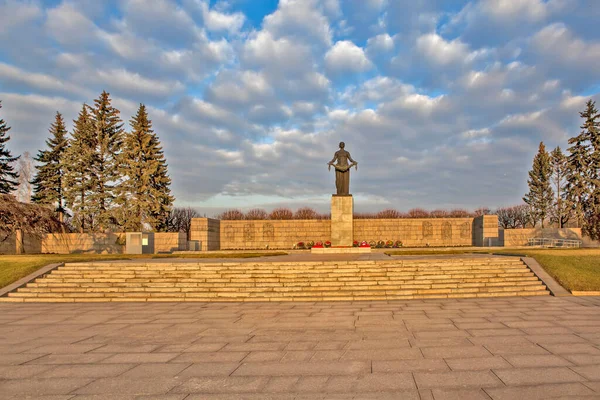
{"x": 342, "y": 211}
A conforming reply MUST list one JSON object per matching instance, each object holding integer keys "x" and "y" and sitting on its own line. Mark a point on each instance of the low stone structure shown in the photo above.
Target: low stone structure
{"x": 283, "y": 234}
{"x": 520, "y": 237}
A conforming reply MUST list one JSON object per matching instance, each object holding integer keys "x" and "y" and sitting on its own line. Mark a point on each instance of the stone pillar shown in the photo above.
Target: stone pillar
{"x": 19, "y": 245}
{"x": 342, "y": 225}
{"x": 207, "y": 232}
{"x": 485, "y": 231}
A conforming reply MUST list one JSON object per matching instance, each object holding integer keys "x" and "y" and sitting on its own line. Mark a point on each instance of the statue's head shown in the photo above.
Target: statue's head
{"x": 342, "y": 145}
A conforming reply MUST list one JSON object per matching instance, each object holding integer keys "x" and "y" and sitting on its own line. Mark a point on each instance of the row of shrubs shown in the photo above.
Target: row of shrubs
{"x": 374, "y": 244}
{"x": 309, "y": 213}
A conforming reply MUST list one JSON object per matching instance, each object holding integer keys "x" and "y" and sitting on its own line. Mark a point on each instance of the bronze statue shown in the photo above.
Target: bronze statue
{"x": 342, "y": 170}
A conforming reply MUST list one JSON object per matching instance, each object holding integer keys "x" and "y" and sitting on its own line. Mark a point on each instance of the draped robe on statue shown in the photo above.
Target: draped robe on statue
{"x": 342, "y": 171}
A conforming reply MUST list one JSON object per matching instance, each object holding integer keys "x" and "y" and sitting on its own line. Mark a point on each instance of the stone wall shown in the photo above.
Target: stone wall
{"x": 417, "y": 232}
{"x": 276, "y": 234}
{"x": 283, "y": 234}
{"x": 208, "y": 232}
{"x": 7, "y": 246}
{"x": 100, "y": 243}
{"x": 166, "y": 242}
{"x": 486, "y": 231}
{"x": 520, "y": 237}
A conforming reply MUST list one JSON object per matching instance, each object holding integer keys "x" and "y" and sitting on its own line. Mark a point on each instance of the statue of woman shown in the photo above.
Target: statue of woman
{"x": 342, "y": 170}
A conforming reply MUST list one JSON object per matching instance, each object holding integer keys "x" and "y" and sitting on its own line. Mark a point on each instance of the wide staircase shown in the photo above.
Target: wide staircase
{"x": 283, "y": 281}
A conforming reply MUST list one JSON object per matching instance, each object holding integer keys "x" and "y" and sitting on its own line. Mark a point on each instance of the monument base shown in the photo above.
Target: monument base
{"x": 340, "y": 250}
{"x": 342, "y": 225}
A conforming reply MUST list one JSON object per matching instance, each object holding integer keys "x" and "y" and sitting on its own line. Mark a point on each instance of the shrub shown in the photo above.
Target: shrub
{"x": 389, "y": 213}
{"x": 306, "y": 213}
{"x": 256, "y": 214}
{"x": 281, "y": 213}
{"x": 439, "y": 213}
{"x": 459, "y": 213}
{"x": 418, "y": 213}
{"x": 231, "y": 215}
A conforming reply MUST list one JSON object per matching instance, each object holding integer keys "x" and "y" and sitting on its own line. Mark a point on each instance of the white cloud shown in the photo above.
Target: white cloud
{"x": 300, "y": 19}
{"x": 345, "y": 56}
{"x": 380, "y": 43}
{"x": 38, "y": 82}
{"x": 440, "y": 51}
{"x": 68, "y": 26}
{"x": 218, "y": 21}
{"x": 532, "y": 10}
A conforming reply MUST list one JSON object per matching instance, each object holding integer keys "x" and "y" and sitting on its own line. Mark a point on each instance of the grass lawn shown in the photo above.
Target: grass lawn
{"x": 574, "y": 269}
{"x": 13, "y": 268}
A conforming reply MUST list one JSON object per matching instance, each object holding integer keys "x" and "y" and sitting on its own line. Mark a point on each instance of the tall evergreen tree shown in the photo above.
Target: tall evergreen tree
{"x": 561, "y": 209}
{"x": 8, "y": 175}
{"x": 583, "y": 184}
{"x": 540, "y": 194}
{"x": 78, "y": 160}
{"x": 145, "y": 194}
{"x": 105, "y": 179}
{"x": 48, "y": 184}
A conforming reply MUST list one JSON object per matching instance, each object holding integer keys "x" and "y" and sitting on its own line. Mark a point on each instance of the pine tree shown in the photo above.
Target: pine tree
{"x": 583, "y": 186}
{"x": 145, "y": 195}
{"x": 561, "y": 211}
{"x": 78, "y": 160}
{"x": 8, "y": 176}
{"x": 540, "y": 194}
{"x": 105, "y": 179}
{"x": 49, "y": 181}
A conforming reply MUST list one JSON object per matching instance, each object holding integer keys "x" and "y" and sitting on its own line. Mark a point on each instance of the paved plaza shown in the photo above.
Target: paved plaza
{"x": 505, "y": 348}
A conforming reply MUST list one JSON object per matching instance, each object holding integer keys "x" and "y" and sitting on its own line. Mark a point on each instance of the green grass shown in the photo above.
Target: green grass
{"x": 574, "y": 269}
{"x": 13, "y": 268}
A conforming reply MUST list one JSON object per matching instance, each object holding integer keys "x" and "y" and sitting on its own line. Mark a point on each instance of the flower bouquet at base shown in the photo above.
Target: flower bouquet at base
{"x": 389, "y": 244}
{"x": 364, "y": 244}
{"x": 318, "y": 245}
{"x": 372, "y": 243}
{"x": 380, "y": 244}
{"x": 398, "y": 243}
{"x": 310, "y": 244}
{"x": 328, "y": 244}
{"x": 355, "y": 243}
{"x": 300, "y": 245}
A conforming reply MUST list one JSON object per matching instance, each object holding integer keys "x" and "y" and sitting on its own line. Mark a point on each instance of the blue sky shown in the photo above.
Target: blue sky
{"x": 442, "y": 102}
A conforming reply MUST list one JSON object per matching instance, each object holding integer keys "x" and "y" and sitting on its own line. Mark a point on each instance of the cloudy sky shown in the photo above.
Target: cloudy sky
{"x": 442, "y": 102}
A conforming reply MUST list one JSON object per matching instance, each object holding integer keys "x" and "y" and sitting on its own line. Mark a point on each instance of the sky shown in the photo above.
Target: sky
{"x": 442, "y": 102}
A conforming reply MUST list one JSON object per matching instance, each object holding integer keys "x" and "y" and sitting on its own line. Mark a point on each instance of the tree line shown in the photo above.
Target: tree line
{"x": 100, "y": 175}
{"x": 566, "y": 187}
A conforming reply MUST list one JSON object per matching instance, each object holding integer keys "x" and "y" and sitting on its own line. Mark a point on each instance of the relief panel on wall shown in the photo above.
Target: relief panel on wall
{"x": 427, "y": 229}
{"x": 447, "y": 231}
{"x": 229, "y": 233}
{"x": 465, "y": 230}
{"x": 249, "y": 232}
{"x": 268, "y": 232}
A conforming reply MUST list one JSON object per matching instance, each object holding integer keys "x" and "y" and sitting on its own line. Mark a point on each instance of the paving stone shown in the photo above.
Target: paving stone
{"x": 591, "y": 372}
{"x": 41, "y": 387}
{"x": 221, "y": 356}
{"x": 22, "y": 371}
{"x": 232, "y": 384}
{"x": 455, "y": 352}
{"x": 476, "y": 363}
{"x": 409, "y": 365}
{"x": 385, "y": 381}
{"x": 311, "y": 384}
{"x": 534, "y": 376}
{"x": 385, "y": 354}
{"x": 137, "y": 386}
{"x": 582, "y": 359}
{"x": 504, "y": 349}
{"x": 474, "y": 394}
{"x": 572, "y": 348}
{"x": 164, "y": 370}
{"x": 456, "y": 379}
{"x": 546, "y": 360}
{"x": 136, "y": 358}
{"x": 70, "y": 359}
{"x": 539, "y": 392}
{"x": 87, "y": 371}
{"x": 303, "y": 368}
{"x": 280, "y": 384}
